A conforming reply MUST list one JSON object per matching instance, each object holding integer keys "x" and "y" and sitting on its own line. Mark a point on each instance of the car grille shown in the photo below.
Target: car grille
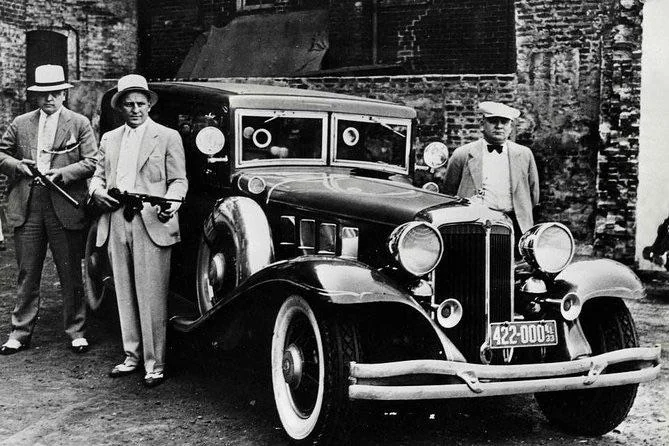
{"x": 462, "y": 274}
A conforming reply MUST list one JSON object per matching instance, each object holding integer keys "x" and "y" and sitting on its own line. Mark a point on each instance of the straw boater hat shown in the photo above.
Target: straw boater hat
{"x": 49, "y": 78}
{"x": 490, "y": 109}
{"x": 130, "y": 83}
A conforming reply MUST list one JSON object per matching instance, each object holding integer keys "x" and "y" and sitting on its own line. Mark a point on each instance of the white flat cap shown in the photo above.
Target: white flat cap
{"x": 490, "y": 109}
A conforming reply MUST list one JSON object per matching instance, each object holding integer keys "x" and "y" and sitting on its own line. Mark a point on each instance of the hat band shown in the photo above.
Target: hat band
{"x": 48, "y": 84}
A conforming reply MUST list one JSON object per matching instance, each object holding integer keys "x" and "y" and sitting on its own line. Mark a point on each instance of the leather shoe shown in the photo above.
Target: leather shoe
{"x": 152, "y": 379}
{"x": 12, "y": 346}
{"x": 123, "y": 369}
{"x": 79, "y": 345}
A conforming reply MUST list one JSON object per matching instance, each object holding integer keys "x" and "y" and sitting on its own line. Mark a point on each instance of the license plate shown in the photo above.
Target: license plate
{"x": 523, "y": 334}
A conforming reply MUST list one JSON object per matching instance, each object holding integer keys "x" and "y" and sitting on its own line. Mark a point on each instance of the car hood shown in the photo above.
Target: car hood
{"x": 362, "y": 198}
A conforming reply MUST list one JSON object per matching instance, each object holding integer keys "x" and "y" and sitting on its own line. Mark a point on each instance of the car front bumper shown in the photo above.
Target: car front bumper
{"x": 368, "y": 381}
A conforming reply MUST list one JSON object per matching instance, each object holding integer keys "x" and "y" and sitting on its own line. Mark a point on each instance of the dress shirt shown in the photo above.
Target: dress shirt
{"x": 126, "y": 172}
{"x": 48, "y": 125}
{"x": 496, "y": 182}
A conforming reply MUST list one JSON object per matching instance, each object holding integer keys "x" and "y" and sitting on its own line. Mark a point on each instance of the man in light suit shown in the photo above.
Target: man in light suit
{"x": 495, "y": 171}
{"x": 61, "y": 144}
{"x": 141, "y": 156}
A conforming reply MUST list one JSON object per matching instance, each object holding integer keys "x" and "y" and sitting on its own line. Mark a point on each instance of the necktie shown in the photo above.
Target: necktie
{"x": 45, "y": 140}
{"x": 495, "y": 148}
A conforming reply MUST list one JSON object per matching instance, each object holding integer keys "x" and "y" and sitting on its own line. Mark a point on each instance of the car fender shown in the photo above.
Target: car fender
{"x": 328, "y": 280}
{"x": 600, "y": 278}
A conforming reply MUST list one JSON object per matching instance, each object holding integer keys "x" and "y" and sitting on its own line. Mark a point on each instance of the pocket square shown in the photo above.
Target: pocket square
{"x": 71, "y": 141}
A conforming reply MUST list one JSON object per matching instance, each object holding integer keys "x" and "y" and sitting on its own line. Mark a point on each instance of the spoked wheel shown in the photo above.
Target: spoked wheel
{"x": 310, "y": 362}
{"x": 608, "y": 326}
{"x": 97, "y": 272}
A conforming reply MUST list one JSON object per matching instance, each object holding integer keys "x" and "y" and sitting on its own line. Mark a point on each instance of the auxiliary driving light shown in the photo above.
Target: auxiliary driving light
{"x": 449, "y": 313}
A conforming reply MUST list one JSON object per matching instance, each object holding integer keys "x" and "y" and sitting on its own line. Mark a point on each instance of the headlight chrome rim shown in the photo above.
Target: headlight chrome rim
{"x": 397, "y": 248}
{"x": 530, "y": 241}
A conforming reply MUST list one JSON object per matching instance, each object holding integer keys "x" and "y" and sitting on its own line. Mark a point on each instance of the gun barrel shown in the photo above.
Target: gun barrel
{"x": 53, "y": 186}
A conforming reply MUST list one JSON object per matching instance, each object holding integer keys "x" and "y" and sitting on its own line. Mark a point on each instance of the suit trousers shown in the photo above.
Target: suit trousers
{"x": 41, "y": 229}
{"x": 141, "y": 278}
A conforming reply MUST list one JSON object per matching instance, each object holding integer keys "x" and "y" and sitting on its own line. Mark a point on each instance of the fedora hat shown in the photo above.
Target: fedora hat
{"x": 130, "y": 83}
{"x": 491, "y": 109}
{"x": 49, "y": 78}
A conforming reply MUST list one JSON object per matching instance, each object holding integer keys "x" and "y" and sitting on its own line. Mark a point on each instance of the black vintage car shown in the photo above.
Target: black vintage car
{"x": 302, "y": 222}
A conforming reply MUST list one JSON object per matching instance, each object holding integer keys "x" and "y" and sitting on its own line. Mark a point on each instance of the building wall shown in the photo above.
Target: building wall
{"x": 577, "y": 81}
{"x": 620, "y": 109}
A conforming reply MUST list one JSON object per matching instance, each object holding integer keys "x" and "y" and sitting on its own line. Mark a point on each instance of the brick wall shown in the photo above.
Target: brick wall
{"x": 617, "y": 181}
{"x": 573, "y": 81}
{"x": 577, "y": 78}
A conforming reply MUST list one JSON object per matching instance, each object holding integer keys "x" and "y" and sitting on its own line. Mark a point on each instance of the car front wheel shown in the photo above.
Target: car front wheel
{"x": 608, "y": 326}
{"x": 310, "y": 358}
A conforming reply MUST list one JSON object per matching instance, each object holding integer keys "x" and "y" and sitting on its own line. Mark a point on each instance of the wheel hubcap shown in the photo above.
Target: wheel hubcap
{"x": 216, "y": 270}
{"x": 292, "y": 366}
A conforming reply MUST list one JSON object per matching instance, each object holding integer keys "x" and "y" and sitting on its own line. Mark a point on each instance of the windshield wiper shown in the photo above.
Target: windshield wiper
{"x": 277, "y": 114}
{"x": 383, "y": 124}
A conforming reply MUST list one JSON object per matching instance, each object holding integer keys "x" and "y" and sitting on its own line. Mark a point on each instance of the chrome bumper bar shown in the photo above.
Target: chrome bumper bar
{"x": 490, "y": 380}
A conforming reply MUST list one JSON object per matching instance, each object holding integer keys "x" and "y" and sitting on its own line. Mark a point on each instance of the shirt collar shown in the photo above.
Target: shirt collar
{"x": 55, "y": 114}
{"x": 140, "y": 128}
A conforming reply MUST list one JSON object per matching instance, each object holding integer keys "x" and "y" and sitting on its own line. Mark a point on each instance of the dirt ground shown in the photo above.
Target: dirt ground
{"x": 50, "y": 396}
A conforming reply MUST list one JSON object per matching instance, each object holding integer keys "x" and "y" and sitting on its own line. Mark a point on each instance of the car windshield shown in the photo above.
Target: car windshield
{"x": 281, "y": 135}
{"x": 370, "y": 139}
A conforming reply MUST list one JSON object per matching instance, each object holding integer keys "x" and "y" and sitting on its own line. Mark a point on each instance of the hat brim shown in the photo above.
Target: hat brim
{"x": 40, "y": 88}
{"x": 153, "y": 96}
{"x": 509, "y": 116}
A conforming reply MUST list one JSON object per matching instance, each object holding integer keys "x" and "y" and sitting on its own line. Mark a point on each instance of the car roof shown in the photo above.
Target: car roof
{"x": 248, "y": 95}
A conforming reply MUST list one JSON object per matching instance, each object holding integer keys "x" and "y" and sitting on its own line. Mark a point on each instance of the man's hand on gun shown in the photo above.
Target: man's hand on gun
{"x": 133, "y": 202}
{"x": 28, "y": 168}
{"x": 166, "y": 212}
{"x": 24, "y": 169}
{"x": 105, "y": 201}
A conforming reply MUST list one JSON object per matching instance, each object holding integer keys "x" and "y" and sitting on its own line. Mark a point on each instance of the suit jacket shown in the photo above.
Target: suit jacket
{"x": 161, "y": 171}
{"x": 76, "y": 166}
{"x": 464, "y": 177}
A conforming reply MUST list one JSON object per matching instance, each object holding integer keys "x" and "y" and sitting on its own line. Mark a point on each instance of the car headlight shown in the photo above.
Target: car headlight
{"x": 549, "y": 247}
{"x": 417, "y": 246}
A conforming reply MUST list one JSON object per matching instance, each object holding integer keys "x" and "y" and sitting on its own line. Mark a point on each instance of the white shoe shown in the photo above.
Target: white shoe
{"x": 123, "y": 369}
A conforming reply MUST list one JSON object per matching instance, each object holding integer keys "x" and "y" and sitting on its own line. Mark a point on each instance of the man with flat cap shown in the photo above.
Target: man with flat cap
{"x": 60, "y": 144}
{"x": 144, "y": 157}
{"x": 495, "y": 171}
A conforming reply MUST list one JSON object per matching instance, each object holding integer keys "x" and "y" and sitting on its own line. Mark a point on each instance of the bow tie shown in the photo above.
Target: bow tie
{"x": 495, "y": 148}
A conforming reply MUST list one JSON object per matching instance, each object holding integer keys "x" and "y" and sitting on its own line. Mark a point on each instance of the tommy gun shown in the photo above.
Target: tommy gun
{"x": 134, "y": 202}
{"x": 51, "y": 185}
